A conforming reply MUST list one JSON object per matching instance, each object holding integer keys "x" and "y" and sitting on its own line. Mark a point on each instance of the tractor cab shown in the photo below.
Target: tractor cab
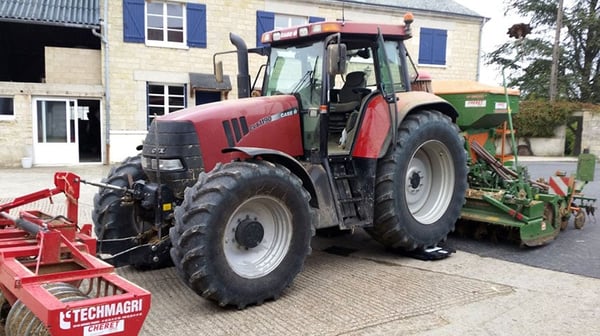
{"x": 335, "y": 71}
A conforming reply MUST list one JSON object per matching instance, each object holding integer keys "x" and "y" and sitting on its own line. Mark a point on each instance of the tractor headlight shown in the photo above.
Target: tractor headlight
{"x": 163, "y": 164}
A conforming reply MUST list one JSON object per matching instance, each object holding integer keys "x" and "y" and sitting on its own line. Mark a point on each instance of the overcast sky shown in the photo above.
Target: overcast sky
{"x": 494, "y": 33}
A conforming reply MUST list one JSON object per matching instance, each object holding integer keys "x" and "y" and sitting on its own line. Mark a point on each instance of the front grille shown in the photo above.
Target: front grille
{"x": 173, "y": 140}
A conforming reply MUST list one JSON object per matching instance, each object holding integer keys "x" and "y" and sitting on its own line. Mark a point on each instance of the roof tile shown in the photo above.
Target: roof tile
{"x": 79, "y": 13}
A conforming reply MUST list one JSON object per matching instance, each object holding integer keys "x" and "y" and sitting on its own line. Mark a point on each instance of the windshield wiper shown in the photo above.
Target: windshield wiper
{"x": 307, "y": 75}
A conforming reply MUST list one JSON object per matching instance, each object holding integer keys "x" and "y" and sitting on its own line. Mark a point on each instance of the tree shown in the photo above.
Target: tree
{"x": 528, "y": 60}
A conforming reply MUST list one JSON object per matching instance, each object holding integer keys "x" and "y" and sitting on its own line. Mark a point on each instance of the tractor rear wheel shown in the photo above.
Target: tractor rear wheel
{"x": 420, "y": 183}
{"x": 114, "y": 219}
{"x": 242, "y": 233}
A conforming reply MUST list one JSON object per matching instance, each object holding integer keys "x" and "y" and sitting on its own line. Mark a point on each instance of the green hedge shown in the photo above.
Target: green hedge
{"x": 539, "y": 118}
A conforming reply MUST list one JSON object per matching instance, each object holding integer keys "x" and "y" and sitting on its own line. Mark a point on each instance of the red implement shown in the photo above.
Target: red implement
{"x": 50, "y": 277}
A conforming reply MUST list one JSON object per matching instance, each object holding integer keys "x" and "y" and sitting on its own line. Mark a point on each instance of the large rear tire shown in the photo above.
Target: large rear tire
{"x": 114, "y": 219}
{"x": 421, "y": 183}
{"x": 242, "y": 233}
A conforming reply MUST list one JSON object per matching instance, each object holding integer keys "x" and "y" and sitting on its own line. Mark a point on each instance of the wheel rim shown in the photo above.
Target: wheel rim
{"x": 429, "y": 182}
{"x": 263, "y": 251}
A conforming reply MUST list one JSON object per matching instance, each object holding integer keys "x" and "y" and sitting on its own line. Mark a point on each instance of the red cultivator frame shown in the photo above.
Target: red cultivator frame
{"x": 51, "y": 279}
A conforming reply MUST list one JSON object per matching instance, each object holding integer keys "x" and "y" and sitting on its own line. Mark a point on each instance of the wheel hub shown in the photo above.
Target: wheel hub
{"x": 249, "y": 233}
{"x": 415, "y": 181}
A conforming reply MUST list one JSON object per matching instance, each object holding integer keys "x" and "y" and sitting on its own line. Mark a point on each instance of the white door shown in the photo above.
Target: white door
{"x": 55, "y": 132}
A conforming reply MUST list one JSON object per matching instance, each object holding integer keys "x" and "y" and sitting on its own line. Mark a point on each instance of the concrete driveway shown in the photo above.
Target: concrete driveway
{"x": 368, "y": 292}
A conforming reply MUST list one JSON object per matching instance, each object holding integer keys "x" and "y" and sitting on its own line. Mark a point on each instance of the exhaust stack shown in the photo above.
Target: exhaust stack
{"x": 243, "y": 77}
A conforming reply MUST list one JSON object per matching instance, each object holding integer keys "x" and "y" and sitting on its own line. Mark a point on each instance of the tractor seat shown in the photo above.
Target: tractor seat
{"x": 349, "y": 100}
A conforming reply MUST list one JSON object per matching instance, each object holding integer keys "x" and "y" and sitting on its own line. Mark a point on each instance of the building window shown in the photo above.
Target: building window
{"x": 432, "y": 46}
{"x": 267, "y": 21}
{"x": 164, "y": 24}
{"x": 164, "y": 99}
{"x": 7, "y": 110}
{"x": 286, "y": 21}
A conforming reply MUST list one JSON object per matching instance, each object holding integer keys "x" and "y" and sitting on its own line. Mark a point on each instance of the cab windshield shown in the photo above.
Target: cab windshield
{"x": 296, "y": 70}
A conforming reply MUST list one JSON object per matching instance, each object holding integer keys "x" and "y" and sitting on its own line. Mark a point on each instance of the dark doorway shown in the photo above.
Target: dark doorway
{"x": 22, "y": 48}
{"x": 573, "y": 136}
{"x": 90, "y": 149}
{"x": 204, "y": 97}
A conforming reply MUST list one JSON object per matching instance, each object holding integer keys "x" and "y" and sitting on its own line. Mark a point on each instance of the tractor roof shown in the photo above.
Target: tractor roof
{"x": 400, "y": 31}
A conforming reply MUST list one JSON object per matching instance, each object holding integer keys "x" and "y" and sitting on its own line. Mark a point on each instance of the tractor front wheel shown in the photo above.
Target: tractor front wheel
{"x": 420, "y": 183}
{"x": 115, "y": 219}
{"x": 242, "y": 233}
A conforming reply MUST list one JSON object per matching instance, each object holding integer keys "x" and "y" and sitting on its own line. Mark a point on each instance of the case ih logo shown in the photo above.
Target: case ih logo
{"x": 100, "y": 317}
{"x": 159, "y": 150}
{"x": 235, "y": 129}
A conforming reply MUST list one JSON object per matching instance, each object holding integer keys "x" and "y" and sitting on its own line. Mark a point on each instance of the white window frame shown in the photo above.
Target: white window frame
{"x": 8, "y": 116}
{"x": 166, "y": 107}
{"x": 165, "y": 28}
{"x": 289, "y": 19}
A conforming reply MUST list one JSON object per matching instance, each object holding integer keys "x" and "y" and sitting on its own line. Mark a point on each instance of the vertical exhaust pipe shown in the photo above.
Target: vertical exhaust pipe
{"x": 243, "y": 77}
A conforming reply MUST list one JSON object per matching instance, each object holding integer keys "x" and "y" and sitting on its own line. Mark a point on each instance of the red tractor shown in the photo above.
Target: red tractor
{"x": 232, "y": 192}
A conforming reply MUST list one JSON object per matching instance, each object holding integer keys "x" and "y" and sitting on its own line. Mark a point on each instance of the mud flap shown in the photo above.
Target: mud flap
{"x": 427, "y": 254}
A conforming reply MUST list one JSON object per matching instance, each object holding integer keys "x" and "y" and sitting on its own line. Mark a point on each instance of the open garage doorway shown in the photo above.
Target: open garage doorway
{"x": 90, "y": 149}
{"x": 66, "y": 131}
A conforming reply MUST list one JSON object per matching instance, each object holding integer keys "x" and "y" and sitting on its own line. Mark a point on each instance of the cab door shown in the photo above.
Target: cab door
{"x": 380, "y": 119}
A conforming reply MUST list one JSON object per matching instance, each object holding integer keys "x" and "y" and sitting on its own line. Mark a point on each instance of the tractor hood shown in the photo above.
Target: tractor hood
{"x": 245, "y": 107}
{"x": 266, "y": 122}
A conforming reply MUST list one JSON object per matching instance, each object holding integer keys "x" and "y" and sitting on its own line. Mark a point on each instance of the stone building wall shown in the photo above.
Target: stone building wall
{"x": 132, "y": 65}
{"x": 591, "y": 129}
{"x": 72, "y": 66}
{"x": 79, "y": 73}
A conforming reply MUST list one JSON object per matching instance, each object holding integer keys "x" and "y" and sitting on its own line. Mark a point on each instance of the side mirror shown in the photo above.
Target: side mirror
{"x": 219, "y": 71}
{"x": 337, "y": 59}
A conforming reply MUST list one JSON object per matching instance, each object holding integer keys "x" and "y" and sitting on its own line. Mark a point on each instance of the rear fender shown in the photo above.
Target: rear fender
{"x": 407, "y": 102}
{"x": 373, "y": 137}
{"x": 283, "y": 159}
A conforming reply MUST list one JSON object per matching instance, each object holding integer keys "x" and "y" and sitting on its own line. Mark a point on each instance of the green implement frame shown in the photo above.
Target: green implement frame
{"x": 505, "y": 197}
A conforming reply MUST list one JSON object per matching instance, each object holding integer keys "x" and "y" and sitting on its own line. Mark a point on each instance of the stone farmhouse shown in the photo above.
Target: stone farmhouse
{"x": 81, "y": 80}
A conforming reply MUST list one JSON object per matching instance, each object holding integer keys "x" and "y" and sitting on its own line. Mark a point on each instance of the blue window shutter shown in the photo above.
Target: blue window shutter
{"x": 432, "y": 46}
{"x": 265, "y": 21}
{"x": 133, "y": 21}
{"x": 425, "y": 46}
{"x": 439, "y": 47}
{"x": 313, "y": 19}
{"x": 196, "y": 25}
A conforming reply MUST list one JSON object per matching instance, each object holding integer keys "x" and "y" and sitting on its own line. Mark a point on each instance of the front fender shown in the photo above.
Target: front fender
{"x": 283, "y": 159}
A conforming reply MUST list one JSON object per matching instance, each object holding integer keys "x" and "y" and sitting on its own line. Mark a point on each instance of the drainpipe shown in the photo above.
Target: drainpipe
{"x": 103, "y": 35}
{"x": 483, "y": 22}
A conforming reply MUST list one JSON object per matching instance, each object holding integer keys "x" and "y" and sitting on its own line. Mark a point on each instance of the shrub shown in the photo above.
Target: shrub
{"x": 539, "y": 118}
